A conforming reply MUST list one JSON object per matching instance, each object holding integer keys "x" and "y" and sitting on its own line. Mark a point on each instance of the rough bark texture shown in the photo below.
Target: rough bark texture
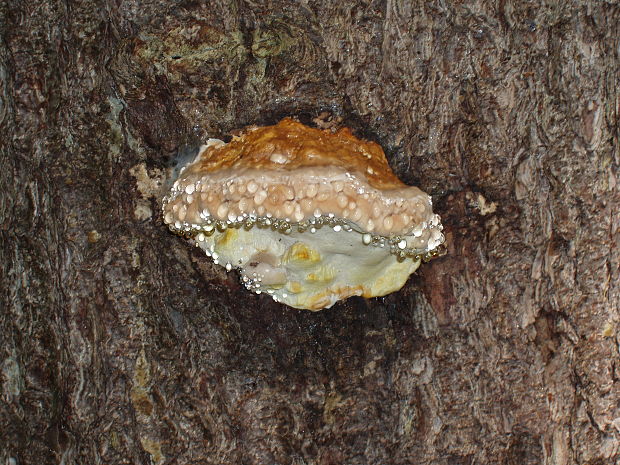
{"x": 122, "y": 344}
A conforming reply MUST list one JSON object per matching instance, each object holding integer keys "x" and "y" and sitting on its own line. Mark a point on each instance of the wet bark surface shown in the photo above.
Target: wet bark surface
{"x": 122, "y": 344}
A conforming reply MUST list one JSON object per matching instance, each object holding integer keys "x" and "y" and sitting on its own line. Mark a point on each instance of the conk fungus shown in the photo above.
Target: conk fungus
{"x": 308, "y": 216}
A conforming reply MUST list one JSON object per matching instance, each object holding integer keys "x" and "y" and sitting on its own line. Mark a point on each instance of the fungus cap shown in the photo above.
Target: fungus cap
{"x": 308, "y": 216}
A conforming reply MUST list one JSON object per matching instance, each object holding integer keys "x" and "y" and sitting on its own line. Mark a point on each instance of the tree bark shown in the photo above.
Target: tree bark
{"x": 120, "y": 343}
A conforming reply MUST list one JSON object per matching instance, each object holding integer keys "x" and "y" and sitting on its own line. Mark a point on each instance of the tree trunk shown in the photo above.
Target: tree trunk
{"x": 120, "y": 343}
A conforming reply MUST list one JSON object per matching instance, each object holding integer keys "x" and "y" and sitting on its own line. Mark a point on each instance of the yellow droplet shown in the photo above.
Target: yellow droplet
{"x": 608, "y": 330}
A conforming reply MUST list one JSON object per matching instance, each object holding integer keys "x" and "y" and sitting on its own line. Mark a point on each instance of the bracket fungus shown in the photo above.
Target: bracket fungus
{"x": 307, "y": 216}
